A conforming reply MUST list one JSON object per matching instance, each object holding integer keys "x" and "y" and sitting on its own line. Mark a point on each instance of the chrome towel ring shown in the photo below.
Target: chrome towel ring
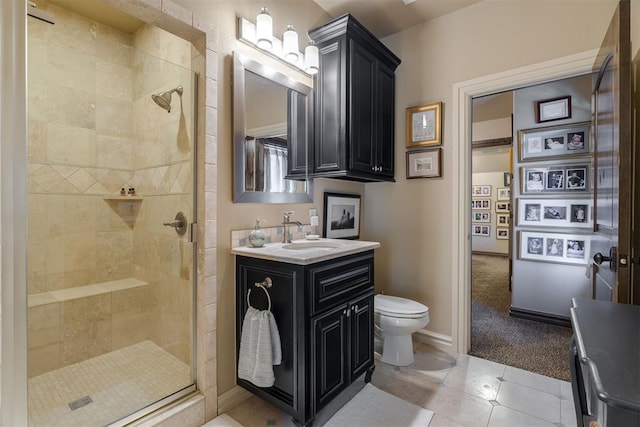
{"x": 266, "y": 283}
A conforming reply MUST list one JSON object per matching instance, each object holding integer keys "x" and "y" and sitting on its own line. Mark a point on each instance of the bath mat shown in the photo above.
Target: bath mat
{"x": 373, "y": 407}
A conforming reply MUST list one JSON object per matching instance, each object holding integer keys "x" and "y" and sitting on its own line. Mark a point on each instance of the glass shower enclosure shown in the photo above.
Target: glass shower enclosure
{"x": 111, "y": 163}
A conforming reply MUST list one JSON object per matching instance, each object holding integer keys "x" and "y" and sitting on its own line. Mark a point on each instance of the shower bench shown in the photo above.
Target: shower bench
{"x": 62, "y": 295}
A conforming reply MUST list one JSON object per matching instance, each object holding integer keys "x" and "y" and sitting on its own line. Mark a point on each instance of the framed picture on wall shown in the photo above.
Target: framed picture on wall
{"x": 502, "y": 233}
{"x": 424, "y": 125}
{"x": 481, "y": 190}
{"x": 481, "y": 230}
{"x": 424, "y": 163}
{"x": 554, "y": 247}
{"x": 573, "y": 213}
{"x": 480, "y": 216}
{"x": 503, "y": 220}
{"x": 548, "y": 110}
{"x": 341, "y": 216}
{"x": 504, "y": 193}
{"x": 503, "y": 207}
{"x": 555, "y": 179}
{"x": 484, "y": 204}
{"x": 553, "y": 142}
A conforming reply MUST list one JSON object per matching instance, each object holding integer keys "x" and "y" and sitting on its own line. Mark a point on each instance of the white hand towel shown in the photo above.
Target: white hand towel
{"x": 275, "y": 339}
{"x": 259, "y": 348}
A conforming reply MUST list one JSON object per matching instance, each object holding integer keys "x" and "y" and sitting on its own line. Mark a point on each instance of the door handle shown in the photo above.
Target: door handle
{"x": 598, "y": 258}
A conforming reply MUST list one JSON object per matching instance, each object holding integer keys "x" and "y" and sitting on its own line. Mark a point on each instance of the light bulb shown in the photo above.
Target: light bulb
{"x": 290, "y": 45}
{"x": 264, "y": 30}
{"x": 311, "y": 58}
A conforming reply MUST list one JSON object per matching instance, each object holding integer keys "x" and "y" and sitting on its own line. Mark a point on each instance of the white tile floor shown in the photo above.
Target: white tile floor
{"x": 462, "y": 390}
{"x": 118, "y": 383}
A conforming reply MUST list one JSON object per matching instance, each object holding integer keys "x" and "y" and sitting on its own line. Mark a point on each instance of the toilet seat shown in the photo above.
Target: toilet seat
{"x": 403, "y": 308}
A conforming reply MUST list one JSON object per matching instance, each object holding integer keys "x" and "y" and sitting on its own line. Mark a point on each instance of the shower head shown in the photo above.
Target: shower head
{"x": 163, "y": 99}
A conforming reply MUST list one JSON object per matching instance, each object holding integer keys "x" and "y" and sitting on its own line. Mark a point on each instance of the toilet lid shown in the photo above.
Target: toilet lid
{"x": 398, "y": 307}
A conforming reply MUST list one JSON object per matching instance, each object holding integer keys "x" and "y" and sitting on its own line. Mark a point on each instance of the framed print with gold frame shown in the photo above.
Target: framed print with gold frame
{"x": 424, "y": 125}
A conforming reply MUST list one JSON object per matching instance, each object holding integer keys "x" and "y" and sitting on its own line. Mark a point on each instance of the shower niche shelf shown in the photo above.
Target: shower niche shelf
{"x": 124, "y": 198}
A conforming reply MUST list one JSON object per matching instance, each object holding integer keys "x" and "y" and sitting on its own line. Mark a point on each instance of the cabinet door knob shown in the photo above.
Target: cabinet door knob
{"x": 348, "y": 313}
{"x": 344, "y": 311}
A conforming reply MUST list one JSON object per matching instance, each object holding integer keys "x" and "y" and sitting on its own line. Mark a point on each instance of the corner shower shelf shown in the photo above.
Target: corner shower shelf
{"x": 85, "y": 291}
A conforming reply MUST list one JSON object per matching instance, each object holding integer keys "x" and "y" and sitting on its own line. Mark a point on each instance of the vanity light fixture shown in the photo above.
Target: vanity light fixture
{"x": 290, "y": 45}
{"x": 311, "y": 58}
{"x": 286, "y": 50}
{"x": 264, "y": 30}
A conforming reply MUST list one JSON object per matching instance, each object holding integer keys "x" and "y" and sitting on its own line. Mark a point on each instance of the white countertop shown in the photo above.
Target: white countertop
{"x": 304, "y": 252}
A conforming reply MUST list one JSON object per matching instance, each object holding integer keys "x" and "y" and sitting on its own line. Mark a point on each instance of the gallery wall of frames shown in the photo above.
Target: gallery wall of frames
{"x": 552, "y": 196}
{"x": 490, "y": 213}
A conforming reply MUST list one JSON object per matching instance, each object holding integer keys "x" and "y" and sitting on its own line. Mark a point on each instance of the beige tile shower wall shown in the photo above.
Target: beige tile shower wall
{"x": 80, "y": 145}
{"x": 163, "y": 154}
{"x": 164, "y": 259}
{"x": 81, "y": 139}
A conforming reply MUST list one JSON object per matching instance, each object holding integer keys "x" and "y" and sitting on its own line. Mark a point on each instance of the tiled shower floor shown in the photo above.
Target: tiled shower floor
{"x": 117, "y": 383}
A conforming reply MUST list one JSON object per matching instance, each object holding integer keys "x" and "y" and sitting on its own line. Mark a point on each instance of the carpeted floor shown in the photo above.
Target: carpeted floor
{"x": 527, "y": 344}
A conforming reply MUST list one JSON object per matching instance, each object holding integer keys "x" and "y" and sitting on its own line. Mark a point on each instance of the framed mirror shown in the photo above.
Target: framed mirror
{"x": 271, "y": 132}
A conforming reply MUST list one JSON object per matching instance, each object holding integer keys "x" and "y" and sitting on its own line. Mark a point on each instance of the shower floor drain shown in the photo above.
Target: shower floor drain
{"x": 83, "y": 401}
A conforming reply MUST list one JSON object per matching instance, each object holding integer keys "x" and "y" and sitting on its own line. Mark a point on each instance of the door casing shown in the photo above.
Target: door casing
{"x": 463, "y": 92}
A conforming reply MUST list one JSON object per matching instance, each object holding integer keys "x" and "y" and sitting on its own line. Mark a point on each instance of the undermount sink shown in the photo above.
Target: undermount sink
{"x": 311, "y": 245}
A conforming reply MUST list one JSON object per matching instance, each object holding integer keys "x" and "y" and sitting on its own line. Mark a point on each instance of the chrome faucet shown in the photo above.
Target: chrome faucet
{"x": 286, "y": 234}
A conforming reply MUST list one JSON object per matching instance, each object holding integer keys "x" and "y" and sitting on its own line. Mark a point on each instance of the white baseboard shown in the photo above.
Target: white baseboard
{"x": 439, "y": 341}
{"x": 229, "y": 400}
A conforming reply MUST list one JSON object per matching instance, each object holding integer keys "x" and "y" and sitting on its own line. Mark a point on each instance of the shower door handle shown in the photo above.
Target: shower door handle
{"x": 179, "y": 223}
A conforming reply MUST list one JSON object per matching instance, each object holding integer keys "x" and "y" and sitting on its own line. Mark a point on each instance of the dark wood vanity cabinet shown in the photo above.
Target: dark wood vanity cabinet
{"x": 354, "y": 103}
{"x": 324, "y": 313}
{"x": 342, "y": 347}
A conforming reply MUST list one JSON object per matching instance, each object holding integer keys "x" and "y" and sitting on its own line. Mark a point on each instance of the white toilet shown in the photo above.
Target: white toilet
{"x": 397, "y": 319}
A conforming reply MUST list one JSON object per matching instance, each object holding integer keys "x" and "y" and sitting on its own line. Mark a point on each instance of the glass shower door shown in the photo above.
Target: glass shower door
{"x": 111, "y": 161}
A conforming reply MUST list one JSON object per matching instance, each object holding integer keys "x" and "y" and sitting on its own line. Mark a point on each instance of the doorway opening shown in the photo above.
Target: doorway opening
{"x": 521, "y": 293}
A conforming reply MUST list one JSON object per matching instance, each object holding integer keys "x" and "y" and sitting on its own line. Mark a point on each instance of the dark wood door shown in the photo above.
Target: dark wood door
{"x": 611, "y": 242}
{"x": 362, "y": 129}
{"x": 385, "y": 120}
{"x": 361, "y": 336}
{"x": 330, "y": 345}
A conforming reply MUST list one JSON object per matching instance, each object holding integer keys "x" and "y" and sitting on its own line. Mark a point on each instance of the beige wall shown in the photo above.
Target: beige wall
{"x": 488, "y": 37}
{"x": 303, "y": 15}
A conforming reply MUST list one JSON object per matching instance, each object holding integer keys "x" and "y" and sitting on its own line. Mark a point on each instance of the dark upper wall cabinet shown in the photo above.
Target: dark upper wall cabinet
{"x": 354, "y": 94}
